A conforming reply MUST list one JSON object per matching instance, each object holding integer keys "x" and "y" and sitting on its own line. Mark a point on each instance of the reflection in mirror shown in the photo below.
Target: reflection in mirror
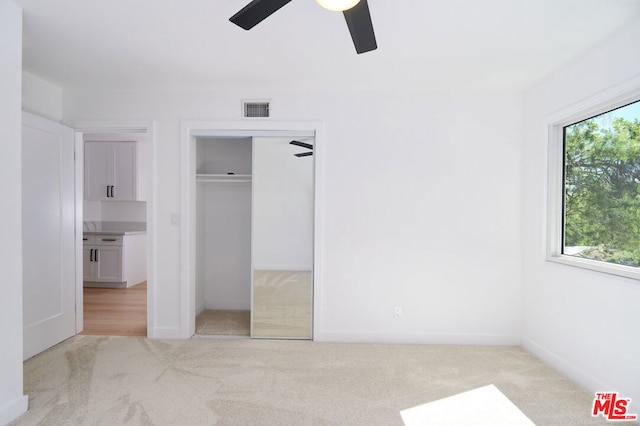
{"x": 282, "y": 240}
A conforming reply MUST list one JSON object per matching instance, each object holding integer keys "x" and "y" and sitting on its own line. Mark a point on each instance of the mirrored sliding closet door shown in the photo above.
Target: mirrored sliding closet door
{"x": 282, "y": 238}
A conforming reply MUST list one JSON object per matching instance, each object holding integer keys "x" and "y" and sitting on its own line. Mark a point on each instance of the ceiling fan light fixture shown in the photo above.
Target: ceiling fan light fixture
{"x": 337, "y": 5}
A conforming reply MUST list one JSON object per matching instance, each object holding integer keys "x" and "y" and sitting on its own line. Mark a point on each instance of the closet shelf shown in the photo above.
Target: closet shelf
{"x": 222, "y": 178}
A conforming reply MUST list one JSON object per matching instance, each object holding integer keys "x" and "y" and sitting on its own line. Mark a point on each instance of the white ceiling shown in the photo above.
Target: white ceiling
{"x": 421, "y": 43}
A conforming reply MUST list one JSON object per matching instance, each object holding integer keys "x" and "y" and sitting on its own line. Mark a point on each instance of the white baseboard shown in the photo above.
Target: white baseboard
{"x": 166, "y": 333}
{"x": 584, "y": 379}
{"x": 418, "y": 338}
{"x": 568, "y": 369}
{"x": 14, "y": 409}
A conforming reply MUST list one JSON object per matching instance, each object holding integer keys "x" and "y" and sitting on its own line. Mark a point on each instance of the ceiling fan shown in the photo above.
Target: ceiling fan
{"x": 356, "y": 13}
{"x": 303, "y": 145}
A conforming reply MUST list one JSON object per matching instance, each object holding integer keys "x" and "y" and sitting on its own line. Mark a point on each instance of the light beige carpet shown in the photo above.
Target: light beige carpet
{"x": 90, "y": 380}
{"x": 484, "y": 406}
{"x": 223, "y": 323}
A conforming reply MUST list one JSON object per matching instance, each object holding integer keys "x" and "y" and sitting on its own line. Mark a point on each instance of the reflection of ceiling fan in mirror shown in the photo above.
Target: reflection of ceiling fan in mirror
{"x": 356, "y": 13}
{"x": 303, "y": 145}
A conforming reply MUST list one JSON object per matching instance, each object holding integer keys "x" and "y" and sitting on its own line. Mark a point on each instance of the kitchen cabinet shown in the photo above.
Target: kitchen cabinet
{"x": 113, "y": 171}
{"x": 102, "y": 258}
{"x": 113, "y": 260}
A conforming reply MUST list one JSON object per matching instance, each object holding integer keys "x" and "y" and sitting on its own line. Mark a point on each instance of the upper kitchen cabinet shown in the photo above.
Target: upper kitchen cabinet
{"x": 113, "y": 170}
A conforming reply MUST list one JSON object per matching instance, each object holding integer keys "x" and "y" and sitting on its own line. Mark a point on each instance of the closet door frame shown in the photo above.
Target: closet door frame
{"x": 189, "y": 131}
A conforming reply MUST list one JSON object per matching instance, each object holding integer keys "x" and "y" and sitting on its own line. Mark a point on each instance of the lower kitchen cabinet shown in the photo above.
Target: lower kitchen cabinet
{"x": 114, "y": 260}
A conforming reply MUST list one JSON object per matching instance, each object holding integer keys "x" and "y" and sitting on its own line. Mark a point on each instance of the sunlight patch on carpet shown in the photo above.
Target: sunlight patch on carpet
{"x": 481, "y": 406}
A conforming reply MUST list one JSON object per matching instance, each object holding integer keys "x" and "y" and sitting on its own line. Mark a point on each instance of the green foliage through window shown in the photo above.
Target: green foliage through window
{"x": 602, "y": 187}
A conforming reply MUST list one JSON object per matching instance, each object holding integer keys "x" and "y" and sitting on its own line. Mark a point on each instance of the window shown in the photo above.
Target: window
{"x": 595, "y": 189}
{"x": 602, "y": 187}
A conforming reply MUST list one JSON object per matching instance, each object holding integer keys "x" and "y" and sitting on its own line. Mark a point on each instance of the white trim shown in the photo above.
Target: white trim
{"x": 79, "y": 205}
{"x": 151, "y": 171}
{"x": 420, "y": 338}
{"x": 119, "y": 136}
{"x": 569, "y": 369}
{"x": 253, "y": 266}
{"x": 604, "y": 101}
{"x": 189, "y": 130}
{"x": 166, "y": 333}
{"x": 11, "y": 411}
{"x": 595, "y": 265}
{"x": 600, "y": 102}
{"x": 578, "y": 375}
{"x": 250, "y": 133}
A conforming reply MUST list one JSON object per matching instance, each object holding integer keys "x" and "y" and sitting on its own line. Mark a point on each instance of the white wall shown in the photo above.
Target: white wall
{"x": 123, "y": 211}
{"x": 421, "y": 205}
{"x": 12, "y": 401}
{"x": 114, "y": 211}
{"x": 223, "y": 155}
{"x": 41, "y": 97}
{"x": 585, "y": 323}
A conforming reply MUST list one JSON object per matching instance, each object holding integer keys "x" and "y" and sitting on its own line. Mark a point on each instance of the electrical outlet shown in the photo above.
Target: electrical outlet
{"x": 397, "y": 311}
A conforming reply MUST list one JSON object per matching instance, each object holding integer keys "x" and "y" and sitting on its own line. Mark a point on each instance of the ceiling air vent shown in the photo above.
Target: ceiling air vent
{"x": 254, "y": 109}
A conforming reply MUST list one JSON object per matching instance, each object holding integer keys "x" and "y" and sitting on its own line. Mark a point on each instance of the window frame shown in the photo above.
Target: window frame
{"x": 606, "y": 101}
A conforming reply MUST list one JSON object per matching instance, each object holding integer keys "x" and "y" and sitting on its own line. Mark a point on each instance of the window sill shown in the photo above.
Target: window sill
{"x": 595, "y": 265}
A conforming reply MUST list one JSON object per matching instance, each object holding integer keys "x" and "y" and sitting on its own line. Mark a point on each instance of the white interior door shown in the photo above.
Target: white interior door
{"x": 48, "y": 237}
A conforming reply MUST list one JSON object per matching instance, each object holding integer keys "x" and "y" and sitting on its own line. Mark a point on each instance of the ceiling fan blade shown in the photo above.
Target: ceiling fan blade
{"x": 302, "y": 144}
{"x": 255, "y": 12}
{"x": 304, "y": 154}
{"x": 361, "y": 28}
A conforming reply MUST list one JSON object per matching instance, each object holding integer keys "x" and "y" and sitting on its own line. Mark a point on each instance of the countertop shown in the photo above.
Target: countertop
{"x": 114, "y": 228}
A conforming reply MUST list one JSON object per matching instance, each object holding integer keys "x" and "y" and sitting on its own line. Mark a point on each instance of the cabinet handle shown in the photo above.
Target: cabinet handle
{"x": 84, "y": 239}
{"x": 107, "y": 191}
{"x": 108, "y": 239}
{"x": 96, "y": 256}
{"x": 112, "y": 191}
{"x": 91, "y": 255}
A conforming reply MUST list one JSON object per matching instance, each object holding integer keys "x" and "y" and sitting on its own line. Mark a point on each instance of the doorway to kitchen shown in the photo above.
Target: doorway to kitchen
{"x": 114, "y": 168}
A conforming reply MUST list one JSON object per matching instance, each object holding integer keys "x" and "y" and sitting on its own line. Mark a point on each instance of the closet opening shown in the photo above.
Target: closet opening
{"x": 223, "y": 236}
{"x": 254, "y": 235}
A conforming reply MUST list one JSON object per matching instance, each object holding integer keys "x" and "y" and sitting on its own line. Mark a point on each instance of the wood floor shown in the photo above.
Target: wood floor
{"x": 116, "y": 311}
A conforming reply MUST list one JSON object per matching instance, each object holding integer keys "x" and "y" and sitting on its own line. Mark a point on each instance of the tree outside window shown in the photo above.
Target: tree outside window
{"x": 602, "y": 187}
